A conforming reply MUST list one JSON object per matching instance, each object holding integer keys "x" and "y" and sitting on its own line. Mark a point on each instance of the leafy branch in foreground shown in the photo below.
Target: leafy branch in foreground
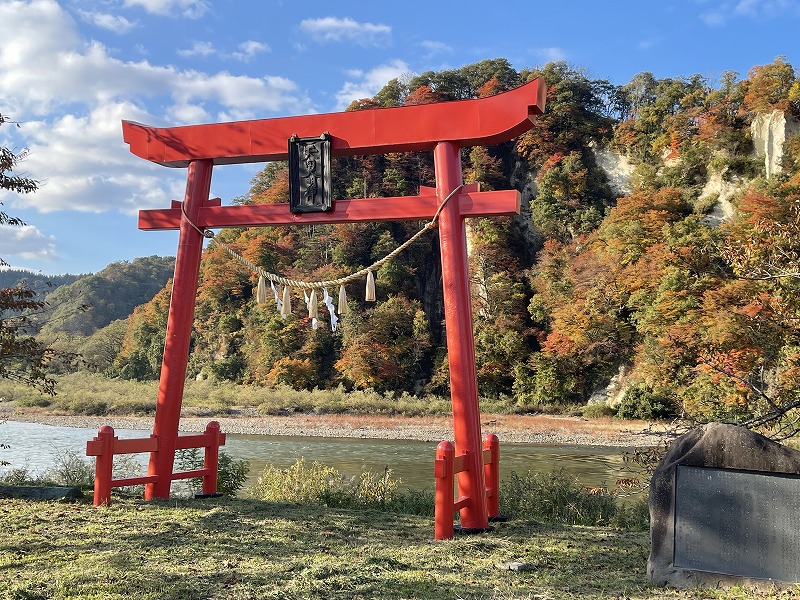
{"x": 22, "y": 357}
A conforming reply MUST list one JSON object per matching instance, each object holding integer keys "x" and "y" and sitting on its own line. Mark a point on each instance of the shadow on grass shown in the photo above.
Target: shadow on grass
{"x": 232, "y": 548}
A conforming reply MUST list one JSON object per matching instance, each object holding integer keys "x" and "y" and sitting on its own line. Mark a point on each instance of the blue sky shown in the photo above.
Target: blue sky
{"x": 70, "y": 71}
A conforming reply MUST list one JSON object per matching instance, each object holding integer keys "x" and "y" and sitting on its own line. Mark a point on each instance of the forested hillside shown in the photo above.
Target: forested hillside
{"x": 43, "y": 283}
{"x": 656, "y": 248}
{"x": 93, "y": 301}
{"x": 83, "y": 318}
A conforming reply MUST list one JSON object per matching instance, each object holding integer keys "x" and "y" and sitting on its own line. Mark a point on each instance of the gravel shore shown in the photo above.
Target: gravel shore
{"x": 529, "y": 429}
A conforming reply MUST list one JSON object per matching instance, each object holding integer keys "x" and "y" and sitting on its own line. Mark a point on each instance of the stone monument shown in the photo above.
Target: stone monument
{"x": 724, "y": 510}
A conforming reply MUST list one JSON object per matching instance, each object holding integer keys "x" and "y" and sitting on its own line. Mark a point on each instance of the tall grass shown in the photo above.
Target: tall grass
{"x": 318, "y": 484}
{"x": 71, "y": 469}
{"x": 92, "y": 394}
{"x": 552, "y": 498}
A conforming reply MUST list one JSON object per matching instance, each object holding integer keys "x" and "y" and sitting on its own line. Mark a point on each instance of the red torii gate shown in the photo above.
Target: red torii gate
{"x": 443, "y": 127}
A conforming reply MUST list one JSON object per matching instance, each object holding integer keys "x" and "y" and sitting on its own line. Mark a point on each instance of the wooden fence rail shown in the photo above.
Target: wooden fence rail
{"x": 106, "y": 445}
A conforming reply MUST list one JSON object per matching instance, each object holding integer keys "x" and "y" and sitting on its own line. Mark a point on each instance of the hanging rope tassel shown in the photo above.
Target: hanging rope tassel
{"x": 286, "y": 308}
{"x": 342, "y": 301}
{"x": 261, "y": 291}
{"x": 370, "y": 294}
{"x": 313, "y": 307}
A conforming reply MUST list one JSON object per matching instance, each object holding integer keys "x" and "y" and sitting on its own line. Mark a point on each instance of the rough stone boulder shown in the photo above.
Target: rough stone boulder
{"x": 715, "y": 445}
{"x": 35, "y": 492}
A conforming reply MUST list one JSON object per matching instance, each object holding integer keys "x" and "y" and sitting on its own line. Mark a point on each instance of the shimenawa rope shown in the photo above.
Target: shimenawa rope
{"x": 304, "y": 285}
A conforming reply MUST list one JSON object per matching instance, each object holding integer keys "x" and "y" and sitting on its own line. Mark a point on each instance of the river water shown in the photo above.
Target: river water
{"x": 36, "y": 448}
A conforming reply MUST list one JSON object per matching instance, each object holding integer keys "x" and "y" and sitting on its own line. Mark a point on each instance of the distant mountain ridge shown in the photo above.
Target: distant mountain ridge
{"x": 108, "y": 295}
{"x": 42, "y": 283}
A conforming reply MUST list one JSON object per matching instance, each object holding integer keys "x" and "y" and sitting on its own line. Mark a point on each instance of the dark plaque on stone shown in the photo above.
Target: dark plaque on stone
{"x": 739, "y": 523}
{"x": 310, "y": 174}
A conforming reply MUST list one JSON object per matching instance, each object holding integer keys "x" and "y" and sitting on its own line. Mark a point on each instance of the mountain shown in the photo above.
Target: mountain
{"x": 42, "y": 283}
{"x": 93, "y": 301}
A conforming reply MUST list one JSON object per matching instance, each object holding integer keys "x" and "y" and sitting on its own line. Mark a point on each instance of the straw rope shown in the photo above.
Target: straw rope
{"x": 305, "y": 285}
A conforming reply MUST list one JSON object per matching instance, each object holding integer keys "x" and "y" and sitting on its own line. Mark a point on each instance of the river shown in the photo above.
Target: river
{"x": 36, "y": 447}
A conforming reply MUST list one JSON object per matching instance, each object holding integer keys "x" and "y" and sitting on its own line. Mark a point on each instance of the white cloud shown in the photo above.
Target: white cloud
{"x": 249, "y": 49}
{"x": 434, "y": 48}
{"x": 333, "y": 29}
{"x": 551, "y": 54}
{"x": 369, "y": 83}
{"x": 26, "y": 242}
{"x": 198, "y": 49}
{"x": 246, "y": 50}
{"x": 758, "y": 10}
{"x": 84, "y": 165}
{"x": 193, "y": 9}
{"x": 115, "y": 23}
{"x": 71, "y": 105}
{"x": 650, "y": 42}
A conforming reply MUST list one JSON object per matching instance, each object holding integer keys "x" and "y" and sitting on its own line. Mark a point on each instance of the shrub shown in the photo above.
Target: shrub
{"x": 597, "y": 410}
{"x": 71, "y": 470}
{"x": 635, "y": 517}
{"x": 640, "y": 402}
{"x": 20, "y": 476}
{"x": 231, "y": 474}
{"x": 555, "y": 498}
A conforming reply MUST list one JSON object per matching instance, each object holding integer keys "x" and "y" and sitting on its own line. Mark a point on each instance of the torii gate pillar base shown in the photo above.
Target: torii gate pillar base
{"x": 460, "y": 340}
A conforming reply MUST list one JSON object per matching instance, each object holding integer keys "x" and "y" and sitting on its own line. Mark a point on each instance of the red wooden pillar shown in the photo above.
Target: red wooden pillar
{"x": 443, "y": 503}
{"x": 491, "y": 472}
{"x": 211, "y": 458}
{"x": 460, "y": 341}
{"x": 179, "y": 331}
{"x": 104, "y": 467}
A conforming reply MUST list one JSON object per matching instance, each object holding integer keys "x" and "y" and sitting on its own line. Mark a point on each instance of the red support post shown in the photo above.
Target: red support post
{"x": 179, "y": 331}
{"x": 445, "y": 479}
{"x": 460, "y": 340}
{"x": 491, "y": 470}
{"x": 104, "y": 465}
{"x": 211, "y": 458}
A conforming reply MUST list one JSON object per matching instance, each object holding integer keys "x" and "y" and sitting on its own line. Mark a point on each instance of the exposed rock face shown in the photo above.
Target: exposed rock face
{"x": 618, "y": 170}
{"x": 614, "y": 392}
{"x": 724, "y": 191}
{"x": 769, "y": 132}
{"x": 526, "y": 181}
{"x": 715, "y": 445}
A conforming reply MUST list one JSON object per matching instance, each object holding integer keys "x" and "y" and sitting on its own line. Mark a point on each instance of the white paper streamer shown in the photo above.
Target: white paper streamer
{"x": 278, "y": 301}
{"x": 328, "y": 301}
{"x": 314, "y": 323}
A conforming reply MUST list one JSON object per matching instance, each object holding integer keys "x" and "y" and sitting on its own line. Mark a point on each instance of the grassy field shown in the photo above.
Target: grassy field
{"x": 91, "y": 394}
{"x": 235, "y": 548}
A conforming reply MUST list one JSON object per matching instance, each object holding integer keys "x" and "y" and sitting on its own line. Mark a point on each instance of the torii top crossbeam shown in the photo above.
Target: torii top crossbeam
{"x": 442, "y": 127}
{"x": 479, "y": 122}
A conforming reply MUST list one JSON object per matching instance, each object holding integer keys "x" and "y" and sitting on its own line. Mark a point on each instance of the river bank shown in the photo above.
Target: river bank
{"x": 528, "y": 429}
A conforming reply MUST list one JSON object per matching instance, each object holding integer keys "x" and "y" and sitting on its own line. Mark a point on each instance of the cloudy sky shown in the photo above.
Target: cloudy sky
{"x": 70, "y": 71}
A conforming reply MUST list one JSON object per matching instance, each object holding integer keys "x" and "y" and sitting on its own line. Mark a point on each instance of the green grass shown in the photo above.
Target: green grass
{"x": 236, "y": 549}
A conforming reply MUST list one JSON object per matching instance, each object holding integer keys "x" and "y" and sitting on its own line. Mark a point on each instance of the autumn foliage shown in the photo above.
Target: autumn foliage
{"x": 590, "y": 282}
